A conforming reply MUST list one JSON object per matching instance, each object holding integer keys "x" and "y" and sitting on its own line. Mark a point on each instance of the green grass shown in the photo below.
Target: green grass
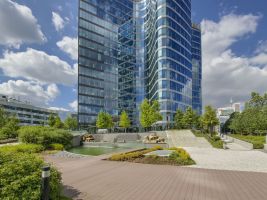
{"x": 257, "y": 141}
{"x": 197, "y": 133}
{"x": 215, "y": 141}
{"x": 179, "y": 157}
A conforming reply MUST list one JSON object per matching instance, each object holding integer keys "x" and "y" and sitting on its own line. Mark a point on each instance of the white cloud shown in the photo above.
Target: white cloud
{"x": 58, "y": 109}
{"x": 226, "y": 75}
{"x": 38, "y": 66}
{"x": 18, "y": 25}
{"x": 30, "y": 91}
{"x": 58, "y": 21}
{"x": 74, "y": 105}
{"x": 69, "y": 46}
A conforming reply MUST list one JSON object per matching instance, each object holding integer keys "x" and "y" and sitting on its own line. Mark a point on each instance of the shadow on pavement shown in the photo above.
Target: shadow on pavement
{"x": 71, "y": 192}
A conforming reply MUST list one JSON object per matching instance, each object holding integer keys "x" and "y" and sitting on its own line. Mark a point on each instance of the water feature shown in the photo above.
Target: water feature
{"x": 98, "y": 148}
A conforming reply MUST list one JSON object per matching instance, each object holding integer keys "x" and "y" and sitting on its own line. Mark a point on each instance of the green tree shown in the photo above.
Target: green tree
{"x": 210, "y": 119}
{"x": 178, "y": 119}
{"x": 71, "y": 123}
{"x": 51, "y": 120}
{"x": 189, "y": 119}
{"x": 104, "y": 120}
{"x": 145, "y": 114}
{"x": 9, "y": 125}
{"x": 226, "y": 126}
{"x": 58, "y": 122}
{"x": 3, "y": 117}
{"x": 155, "y": 112}
{"x": 124, "y": 120}
{"x": 150, "y": 113}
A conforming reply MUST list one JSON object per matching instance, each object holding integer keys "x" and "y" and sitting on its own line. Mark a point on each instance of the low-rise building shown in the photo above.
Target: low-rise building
{"x": 25, "y": 112}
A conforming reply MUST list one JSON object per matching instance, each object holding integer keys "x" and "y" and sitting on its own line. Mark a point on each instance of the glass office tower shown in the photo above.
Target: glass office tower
{"x": 197, "y": 69}
{"x": 130, "y": 50}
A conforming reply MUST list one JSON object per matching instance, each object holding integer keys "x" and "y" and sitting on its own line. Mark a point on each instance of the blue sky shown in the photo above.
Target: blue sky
{"x": 38, "y": 41}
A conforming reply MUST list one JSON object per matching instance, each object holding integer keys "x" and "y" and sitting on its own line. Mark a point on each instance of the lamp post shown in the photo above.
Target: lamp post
{"x": 45, "y": 183}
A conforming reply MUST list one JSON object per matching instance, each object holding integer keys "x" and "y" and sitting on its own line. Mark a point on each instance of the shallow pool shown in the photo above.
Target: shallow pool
{"x": 96, "y": 149}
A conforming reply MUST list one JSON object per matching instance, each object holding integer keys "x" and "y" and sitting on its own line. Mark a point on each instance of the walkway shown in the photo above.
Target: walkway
{"x": 211, "y": 158}
{"x": 236, "y": 158}
{"x": 185, "y": 138}
{"x": 92, "y": 178}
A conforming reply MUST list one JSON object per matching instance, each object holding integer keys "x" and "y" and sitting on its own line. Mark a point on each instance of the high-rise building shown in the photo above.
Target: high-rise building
{"x": 130, "y": 50}
{"x": 196, "y": 69}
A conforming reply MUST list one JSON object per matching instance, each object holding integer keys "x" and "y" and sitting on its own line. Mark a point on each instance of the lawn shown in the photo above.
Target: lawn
{"x": 215, "y": 140}
{"x": 257, "y": 141}
{"x": 178, "y": 157}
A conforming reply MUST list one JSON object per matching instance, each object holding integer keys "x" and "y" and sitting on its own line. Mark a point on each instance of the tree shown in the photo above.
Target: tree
{"x": 9, "y": 125}
{"x": 51, "y": 120}
{"x": 210, "y": 119}
{"x": 178, "y": 119}
{"x": 145, "y": 114}
{"x": 226, "y": 126}
{"x": 3, "y": 117}
{"x": 71, "y": 123}
{"x": 155, "y": 112}
{"x": 190, "y": 118}
{"x": 104, "y": 120}
{"x": 58, "y": 122}
{"x": 124, "y": 120}
{"x": 150, "y": 113}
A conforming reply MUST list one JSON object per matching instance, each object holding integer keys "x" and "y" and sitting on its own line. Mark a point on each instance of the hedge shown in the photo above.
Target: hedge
{"x": 20, "y": 174}
{"x": 45, "y": 136}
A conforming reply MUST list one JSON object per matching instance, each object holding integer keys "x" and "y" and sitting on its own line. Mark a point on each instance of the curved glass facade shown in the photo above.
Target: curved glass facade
{"x": 130, "y": 50}
{"x": 197, "y": 69}
{"x": 170, "y": 60}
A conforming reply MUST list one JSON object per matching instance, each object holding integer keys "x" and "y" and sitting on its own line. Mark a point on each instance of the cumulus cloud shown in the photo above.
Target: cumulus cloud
{"x": 226, "y": 75}
{"x": 30, "y": 91}
{"x": 69, "y": 46}
{"x": 58, "y": 109}
{"x": 18, "y": 25}
{"x": 74, "y": 105}
{"x": 38, "y": 66}
{"x": 58, "y": 21}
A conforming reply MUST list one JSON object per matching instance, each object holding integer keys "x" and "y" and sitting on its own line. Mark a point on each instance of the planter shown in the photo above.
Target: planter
{"x": 244, "y": 144}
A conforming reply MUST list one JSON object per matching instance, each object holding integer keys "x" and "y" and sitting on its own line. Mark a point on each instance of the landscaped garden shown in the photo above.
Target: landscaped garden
{"x": 178, "y": 156}
{"x": 214, "y": 140}
{"x": 251, "y": 124}
{"x": 257, "y": 140}
{"x": 21, "y": 164}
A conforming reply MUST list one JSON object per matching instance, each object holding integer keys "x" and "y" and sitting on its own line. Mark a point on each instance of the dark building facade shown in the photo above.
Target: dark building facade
{"x": 130, "y": 50}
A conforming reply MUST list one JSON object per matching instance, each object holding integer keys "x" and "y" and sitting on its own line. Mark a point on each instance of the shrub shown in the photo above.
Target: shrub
{"x": 258, "y": 145}
{"x": 133, "y": 155}
{"x": 181, "y": 157}
{"x": 45, "y": 136}
{"x": 21, "y": 177}
{"x": 22, "y": 148}
{"x": 56, "y": 146}
{"x": 7, "y": 132}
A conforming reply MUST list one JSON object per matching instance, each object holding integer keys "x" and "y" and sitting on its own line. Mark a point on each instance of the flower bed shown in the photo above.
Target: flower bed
{"x": 178, "y": 157}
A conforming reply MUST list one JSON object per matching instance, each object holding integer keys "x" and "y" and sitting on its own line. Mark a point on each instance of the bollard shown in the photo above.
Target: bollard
{"x": 45, "y": 183}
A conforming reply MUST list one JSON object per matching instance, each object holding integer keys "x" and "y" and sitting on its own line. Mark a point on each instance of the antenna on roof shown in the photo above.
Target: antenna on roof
{"x": 231, "y": 101}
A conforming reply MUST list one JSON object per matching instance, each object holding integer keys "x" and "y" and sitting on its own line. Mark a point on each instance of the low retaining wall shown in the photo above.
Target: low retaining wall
{"x": 76, "y": 140}
{"x": 265, "y": 147}
{"x": 150, "y": 145}
{"x": 244, "y": 144}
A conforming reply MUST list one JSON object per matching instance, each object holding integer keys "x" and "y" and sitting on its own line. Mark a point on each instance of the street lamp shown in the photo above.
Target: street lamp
{"x": 45, "y": 183}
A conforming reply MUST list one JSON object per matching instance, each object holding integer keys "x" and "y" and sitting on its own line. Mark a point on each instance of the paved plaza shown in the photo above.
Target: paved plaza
{"x": 218, "y": 174}
{"x": 95, "y": 179}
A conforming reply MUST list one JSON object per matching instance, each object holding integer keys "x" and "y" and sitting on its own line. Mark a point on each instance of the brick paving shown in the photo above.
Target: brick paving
{"x": 92, "y": 178}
